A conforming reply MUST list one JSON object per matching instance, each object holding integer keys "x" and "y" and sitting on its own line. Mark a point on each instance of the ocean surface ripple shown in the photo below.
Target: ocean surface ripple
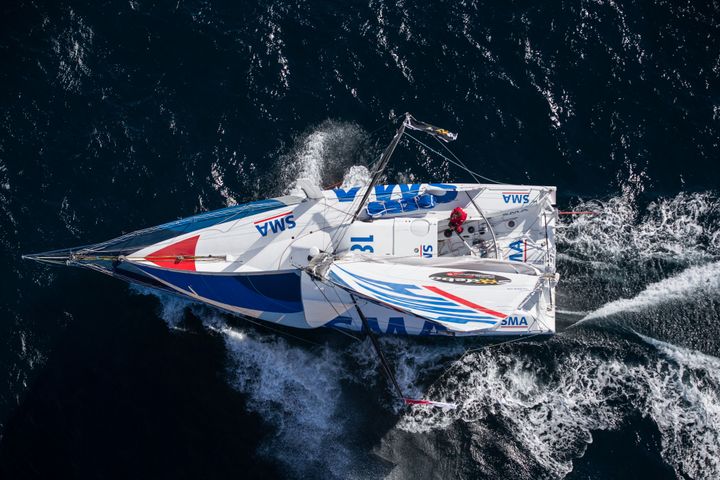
{"x": 121, "y": 115}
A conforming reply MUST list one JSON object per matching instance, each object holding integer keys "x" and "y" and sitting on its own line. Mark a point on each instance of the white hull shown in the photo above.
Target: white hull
{"x": 282, "y": 239}
{"x": 250, "y": 259}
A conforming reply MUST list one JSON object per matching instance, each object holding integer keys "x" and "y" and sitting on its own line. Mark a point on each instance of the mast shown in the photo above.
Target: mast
{"x": 382, "y": 164}
{"x": 409, "y": 122}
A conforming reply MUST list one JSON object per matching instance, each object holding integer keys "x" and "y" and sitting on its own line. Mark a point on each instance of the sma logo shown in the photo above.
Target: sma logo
{"x": 275, "y": 224}
{"x": 514, "y": 322}
{"x": 516, "y": 197}
{"x": 518, "y": 251}
{"x": 426, "y": 251}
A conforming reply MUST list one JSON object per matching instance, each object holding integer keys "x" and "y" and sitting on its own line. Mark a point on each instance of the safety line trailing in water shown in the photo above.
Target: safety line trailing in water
{"x": 388, "y": 371}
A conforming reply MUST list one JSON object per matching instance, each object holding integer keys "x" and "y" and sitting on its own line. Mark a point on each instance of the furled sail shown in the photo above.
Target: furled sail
{"x": 463, "y": 296}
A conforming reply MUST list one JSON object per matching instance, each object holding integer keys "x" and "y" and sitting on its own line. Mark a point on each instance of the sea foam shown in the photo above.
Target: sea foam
{"x": 551, "y": 409}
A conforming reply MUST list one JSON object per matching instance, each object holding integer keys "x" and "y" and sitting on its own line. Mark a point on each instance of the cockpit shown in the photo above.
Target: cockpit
{"x": 475, "y": 239}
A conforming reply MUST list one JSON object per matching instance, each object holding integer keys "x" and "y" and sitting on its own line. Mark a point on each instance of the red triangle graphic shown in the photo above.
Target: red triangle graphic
{"x": 169, "y": 257}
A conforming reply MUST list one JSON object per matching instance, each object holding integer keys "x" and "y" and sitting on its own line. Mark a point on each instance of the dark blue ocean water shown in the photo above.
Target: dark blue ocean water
{"x": 120, "y": 115}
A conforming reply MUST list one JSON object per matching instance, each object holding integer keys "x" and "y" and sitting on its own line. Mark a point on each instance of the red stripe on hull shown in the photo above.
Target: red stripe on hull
{"x": 272, "y": 218}
{"x": 467, "y": 303}
{"x": 171, "y": 256}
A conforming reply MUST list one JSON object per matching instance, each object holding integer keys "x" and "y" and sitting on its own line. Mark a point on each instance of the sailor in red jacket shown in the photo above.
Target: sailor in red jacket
{"x": 457, "y": 218}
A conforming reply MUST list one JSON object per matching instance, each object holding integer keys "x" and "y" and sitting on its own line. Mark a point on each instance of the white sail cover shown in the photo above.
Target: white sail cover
{"x": 464, "y": 296}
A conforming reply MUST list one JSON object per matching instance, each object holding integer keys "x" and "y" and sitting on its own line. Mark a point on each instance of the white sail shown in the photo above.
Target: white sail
{"x": 463, "y": 294}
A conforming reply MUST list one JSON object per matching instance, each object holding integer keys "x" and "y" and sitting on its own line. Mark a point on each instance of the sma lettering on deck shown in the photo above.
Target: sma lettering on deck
{"x": 275, "y": 224}
{"x": 516, "y": 197}
{"x": 518, "y": 251}
{"x": 514, "y": 322}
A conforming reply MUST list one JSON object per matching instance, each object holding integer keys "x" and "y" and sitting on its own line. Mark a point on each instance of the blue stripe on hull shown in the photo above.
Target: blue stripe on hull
{"x": 278, "y": 293}
{"x": 149, "y": 236}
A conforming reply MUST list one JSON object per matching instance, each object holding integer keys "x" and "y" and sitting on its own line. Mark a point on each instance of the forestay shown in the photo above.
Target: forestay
{"x": 463, "y": 294}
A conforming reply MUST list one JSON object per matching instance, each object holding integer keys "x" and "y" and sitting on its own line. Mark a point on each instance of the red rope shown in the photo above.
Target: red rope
{"x": 334, "y": 185}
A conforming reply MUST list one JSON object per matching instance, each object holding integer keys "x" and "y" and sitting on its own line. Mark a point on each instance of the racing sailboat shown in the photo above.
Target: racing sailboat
{"x": 414, "y": 259}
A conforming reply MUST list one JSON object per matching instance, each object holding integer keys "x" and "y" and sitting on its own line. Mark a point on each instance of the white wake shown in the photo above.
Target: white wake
{"x": 692, "y": 282}
{"x": 552, "y": 408}
{"x": 327, "y": 156}
{"x": 682, "y": 228}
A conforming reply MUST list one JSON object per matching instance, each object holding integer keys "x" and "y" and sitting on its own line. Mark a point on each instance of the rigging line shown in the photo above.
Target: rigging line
{"x": 336, "y": 229}
{"x": 337, "y": 292}
{"x": 369, "y": 166}
{"x": 344, "y": 225}
{"x": 336, "y": 311}
{"x": 340, "y": 330}
{"x": 458, "y": 160}
{"x": 492, "y": 231}
{"x": 472, "y": 173}
{"x": 325, "y": 296}
{"x": 382, "y": 164}
{"x": 329, "y": 225}
{"x": 342, "y": 228}
{"x": 376, "y": 346}
{"x": 472, "y": 252}
{"x": 331, "y": 305}
{"x": 539, "y": 319}
{"x": 384, "y": 125}
{"x": 112, "y": 258}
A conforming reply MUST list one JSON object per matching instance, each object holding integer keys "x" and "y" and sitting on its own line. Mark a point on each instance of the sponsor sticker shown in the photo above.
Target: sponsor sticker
{"x": 469, "y": 278}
